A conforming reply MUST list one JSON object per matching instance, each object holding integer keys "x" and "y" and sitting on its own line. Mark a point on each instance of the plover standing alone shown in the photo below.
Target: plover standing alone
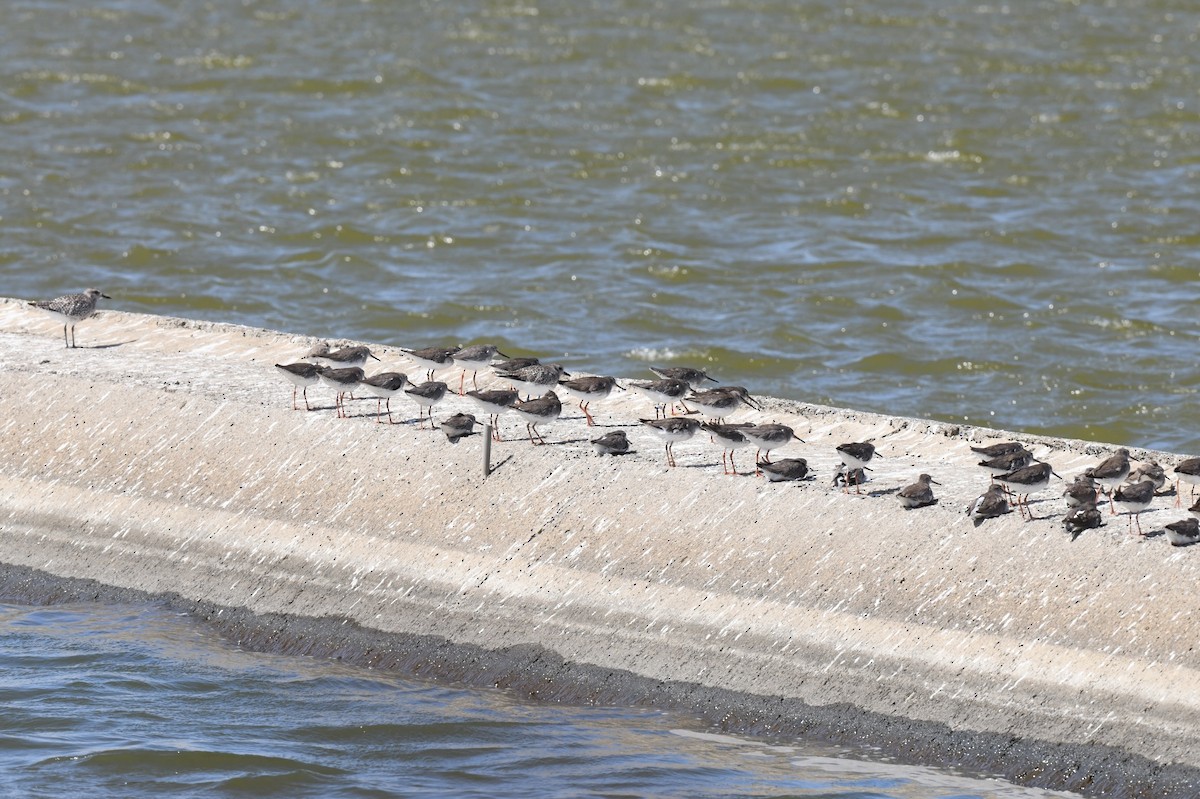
{"x": 918, "y": 494}
{"x": 71, "y": 309}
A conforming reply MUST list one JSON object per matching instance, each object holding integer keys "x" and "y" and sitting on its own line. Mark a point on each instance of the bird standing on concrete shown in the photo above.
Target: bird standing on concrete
{"x": 71, "y": 309}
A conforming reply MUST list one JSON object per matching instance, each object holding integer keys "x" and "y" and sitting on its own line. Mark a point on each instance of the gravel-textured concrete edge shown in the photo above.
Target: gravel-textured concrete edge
{"x": 535, "y": 673}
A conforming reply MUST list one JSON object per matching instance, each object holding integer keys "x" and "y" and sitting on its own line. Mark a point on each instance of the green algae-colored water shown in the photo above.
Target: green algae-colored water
{"x": 981, "y": 212}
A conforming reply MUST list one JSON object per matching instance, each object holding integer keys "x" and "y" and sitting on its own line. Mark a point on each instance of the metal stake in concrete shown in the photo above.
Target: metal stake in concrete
{"x": 487, "y": 450}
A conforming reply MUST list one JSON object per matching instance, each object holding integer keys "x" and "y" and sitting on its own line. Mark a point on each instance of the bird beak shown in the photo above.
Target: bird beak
{"x": 798, "y": 438}
{"x": 1056, "y": 474}
{"x": 502, "y": 355}
{"x": 373, "y": 355}
{"x": 618, "y": 385}
{"x": 935, "y": 482}
{"x": 713, "y": 379}
{"x": 105, "y": 296}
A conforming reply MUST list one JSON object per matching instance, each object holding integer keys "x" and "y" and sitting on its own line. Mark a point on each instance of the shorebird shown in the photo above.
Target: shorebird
{"x": 1149, "y": 471}
{"x": 717, "y": 403}
{"x": 588, "y": 390}
{"x": 918, "y": 494}
{"x": 545, "y": 408}
{"x": 301, "y": 375}
{"x": 1008, "y": 462}
{"x": 731, "y": 437}
{"x": 71, "y": 309}
{"x": 693, "y": 377}
{"x": 342, "y": 381}
{"x": 1195, "y": 509}
{"x": 988, "y": 505}
{"x": 1183, "y": 532}
{"x": 1110, "y": 473}
{"x": 494, "y": 402}
{"x": 431, "y": 358}
{"x": 536, "y": 380}
{"x": 384, "y": 386}
{"x": 1081, "y": 492}
{"x": 614, "y": 443}
{"x": 460, "y": 425}
{"x": 1080, "y": 518}
{"x": 784, "y": 469}
{"x": 996, "y": 450}
{"x": 472, "y": 359}
{"x": 513, "y": 364}
{"x": 663, "y": 393}
{"x": 1133, "y": 499}
{"x": 346, "y": 357}
{"x": 427, "y": 395}
{"x": 855, "y": 455}
{"x": 1187, "y": 471}
{"x": 768, "y": 437}
{"x": 1030, "y": 479}
{"x": 671, "y": 431}
{"x": 844, "y": 476}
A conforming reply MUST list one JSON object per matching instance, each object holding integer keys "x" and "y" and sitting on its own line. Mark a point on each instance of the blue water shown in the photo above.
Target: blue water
{"x": 134, "y": 701}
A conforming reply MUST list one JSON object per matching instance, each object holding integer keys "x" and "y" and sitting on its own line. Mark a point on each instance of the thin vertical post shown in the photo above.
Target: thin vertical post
{"x": 487, "y": 450}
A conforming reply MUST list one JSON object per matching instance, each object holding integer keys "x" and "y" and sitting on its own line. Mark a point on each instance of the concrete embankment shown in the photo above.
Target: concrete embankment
{"x": 165, "y": 461}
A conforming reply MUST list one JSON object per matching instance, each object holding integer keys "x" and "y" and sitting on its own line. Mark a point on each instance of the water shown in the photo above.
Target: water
{"x": 980, "y": 212}
{"x": 133, "y": 701}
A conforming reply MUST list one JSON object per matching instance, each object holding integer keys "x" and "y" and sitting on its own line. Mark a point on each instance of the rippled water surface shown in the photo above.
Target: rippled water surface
{"x": 959, "y": 210}
{"x": 131, "y": 701}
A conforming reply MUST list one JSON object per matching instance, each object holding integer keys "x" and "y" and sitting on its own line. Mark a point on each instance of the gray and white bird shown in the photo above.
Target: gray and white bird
{"x": 536, "y": 380}
{"x": 717, "y": 403}
{"x": 458, "y": 426}
{"x": 731, "y": 437}
{"x": 472, "y": 359}
{"x": 855, "y": 455}
{"x": 1111, "y": 472}
{"x": 1081, "y": 492}
{"x": 671, "y": 431}
{"x": 1133, "y": 499}
{"x": 426, "y": 395}
{"x": 71, "y": 309}
{"x": 1188, "y": 471}
{"x": 1183, "y": 532}
{"x": 918, "y": 494}
{"x": 663, "y": 393}
{"x": 768, "y": 437}
{"x": 342, "y": 381}
{"x": 1080, "y": 518}
{"x": 693, "y": 377}
{"x": 494, "y": 402}
{"x": 431, "y": 358}
{"x": 301, "y": 375}
{"x": 589, "y": 389}
{"x": 614, "y": 443}
{"x": 383, "y": 387}
{"x": 346, "y": 357}
{"x": 1026, "y": 481}
{"x": 784, "y": 469}
{"x": 996, "y": 450}
{"x": 988, "y": 505}
{"x": 545, "y": 408}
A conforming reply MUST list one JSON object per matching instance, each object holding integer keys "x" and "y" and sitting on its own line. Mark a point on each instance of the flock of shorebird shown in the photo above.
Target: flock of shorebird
{"x": 1016, "y": 473}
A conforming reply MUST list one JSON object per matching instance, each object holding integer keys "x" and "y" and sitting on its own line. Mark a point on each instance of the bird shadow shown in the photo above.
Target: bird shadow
{"x": 104, "y": 346}
{"x": 883, "y": 492}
